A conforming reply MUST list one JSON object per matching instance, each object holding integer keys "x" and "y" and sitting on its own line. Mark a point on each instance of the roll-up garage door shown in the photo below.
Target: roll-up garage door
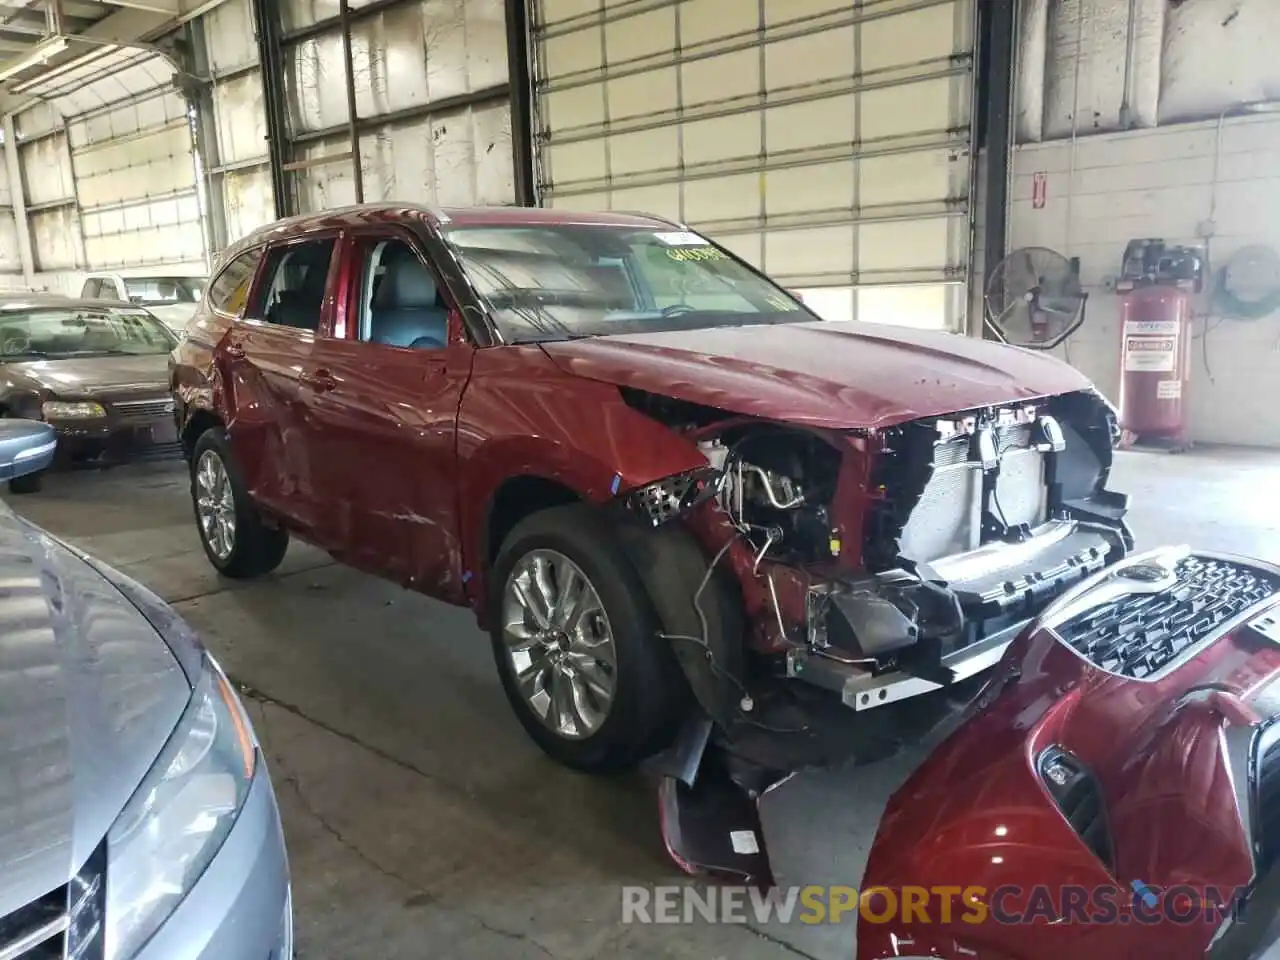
{"x": 131, "y": 158}
{"x": 828, "y": 142}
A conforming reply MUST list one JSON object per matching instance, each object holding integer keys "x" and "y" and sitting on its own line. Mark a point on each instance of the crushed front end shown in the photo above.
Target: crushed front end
{"x": 862, "y": 583}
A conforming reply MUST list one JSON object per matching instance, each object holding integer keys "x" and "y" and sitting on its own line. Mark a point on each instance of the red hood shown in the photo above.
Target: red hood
{"x": 976, "y": 812}
{"x": 833, "y": 375}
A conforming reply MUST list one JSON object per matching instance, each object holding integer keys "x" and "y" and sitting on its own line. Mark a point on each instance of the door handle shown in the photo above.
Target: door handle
{"x": 235, "y": 351}
{"x": 320, "y": 381}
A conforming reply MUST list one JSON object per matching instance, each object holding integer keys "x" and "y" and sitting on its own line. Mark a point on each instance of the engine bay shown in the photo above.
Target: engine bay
{"x": 896, "y": 550}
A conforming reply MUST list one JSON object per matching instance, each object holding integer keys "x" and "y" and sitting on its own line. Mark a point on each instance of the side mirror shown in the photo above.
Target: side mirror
{"x": 797, "y": 294}
{"x": 26, "y": 447}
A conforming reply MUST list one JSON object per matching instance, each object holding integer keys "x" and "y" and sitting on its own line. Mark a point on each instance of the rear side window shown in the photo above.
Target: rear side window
{"x": 293, "y": 288}
{"x": 230, "y": 289}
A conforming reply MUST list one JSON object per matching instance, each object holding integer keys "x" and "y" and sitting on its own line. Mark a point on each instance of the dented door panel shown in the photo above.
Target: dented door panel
{"x": 386, "y": 431}
{"x": 262, "y": 364}
{"x": 261, "y": 371}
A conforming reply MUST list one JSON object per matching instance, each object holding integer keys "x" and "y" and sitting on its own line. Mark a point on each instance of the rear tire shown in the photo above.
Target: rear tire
{"x": 648, "y": 692}
{"x": 235, "y": 539}
{"x": 31, "y": 483}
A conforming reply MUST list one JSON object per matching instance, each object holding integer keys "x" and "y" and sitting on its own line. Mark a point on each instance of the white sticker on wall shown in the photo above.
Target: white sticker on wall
{"x": 1169, "y": 390}
{"x": 682, "y": 239}
{"x": 1150, "y": 354}
{"x": 744, "y": 841}
{"x": 1161, "y": 328}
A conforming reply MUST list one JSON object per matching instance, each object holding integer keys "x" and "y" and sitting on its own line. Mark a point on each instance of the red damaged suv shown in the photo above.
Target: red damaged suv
{"x": 700, "y": 524}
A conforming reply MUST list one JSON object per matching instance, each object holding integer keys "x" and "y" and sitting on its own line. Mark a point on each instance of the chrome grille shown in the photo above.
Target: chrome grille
{"x": 142, "y": 409}
{"x": 36, "y": 931}
{"x": 1137, "y": 634}
{"x": 63, "y": 925}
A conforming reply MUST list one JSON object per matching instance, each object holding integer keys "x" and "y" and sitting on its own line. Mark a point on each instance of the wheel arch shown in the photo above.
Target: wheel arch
{"x": 198, "y": 421}
{"x": 516, "y": 498}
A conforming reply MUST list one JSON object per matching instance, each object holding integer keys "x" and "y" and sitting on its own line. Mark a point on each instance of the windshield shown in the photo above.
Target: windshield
{"x": 53, "y": 334}
{"x": 556, "y": 282}
{"x": 156, "y": 291}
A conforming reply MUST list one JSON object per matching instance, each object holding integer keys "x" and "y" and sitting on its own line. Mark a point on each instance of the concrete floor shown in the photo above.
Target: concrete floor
{"x": 419, "y": 818}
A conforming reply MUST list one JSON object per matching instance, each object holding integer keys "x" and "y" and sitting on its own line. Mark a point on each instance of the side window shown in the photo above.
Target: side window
{"x": 293, "y": 294}
{"x": 400, "y": 304}
{"x": 97, "y": 290}
{"x": 230, "y": 288}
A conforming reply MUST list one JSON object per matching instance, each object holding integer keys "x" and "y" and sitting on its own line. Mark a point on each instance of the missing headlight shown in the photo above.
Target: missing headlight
{"x": 671, "y": 497}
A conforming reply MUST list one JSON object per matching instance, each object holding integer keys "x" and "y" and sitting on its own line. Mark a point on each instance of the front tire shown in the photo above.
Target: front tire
{"x": 577, "y": 644}
{"x": 232, "y": 532}
{"x": 31, "y": 483}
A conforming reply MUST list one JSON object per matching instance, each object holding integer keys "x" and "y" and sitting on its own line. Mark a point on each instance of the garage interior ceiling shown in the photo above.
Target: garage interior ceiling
{"x": 37, "y": 36}
{"x": 830, "y": 145}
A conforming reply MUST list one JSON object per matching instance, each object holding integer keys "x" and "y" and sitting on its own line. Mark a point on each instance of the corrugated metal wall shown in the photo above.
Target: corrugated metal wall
{"x": 1182, "y": 61}
{"x": 107, "y": 161}
{"x": 239, "y": 170}
{"x": 412, "y": 65}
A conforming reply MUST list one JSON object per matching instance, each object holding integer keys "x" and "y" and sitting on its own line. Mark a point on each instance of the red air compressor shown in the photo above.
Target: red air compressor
{"x": 1156, "y": 287}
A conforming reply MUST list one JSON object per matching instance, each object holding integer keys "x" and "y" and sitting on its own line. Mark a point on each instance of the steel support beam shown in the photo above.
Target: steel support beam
{"x": 997, "y": 52}
{"x": 474, "y": 98}
{"x": 520, "y": 79}
{"x": 18, "y": 192}
{"x": 266, "y": 18}
{"x": 204, "y": 134}
{"x": 353, "y": 122}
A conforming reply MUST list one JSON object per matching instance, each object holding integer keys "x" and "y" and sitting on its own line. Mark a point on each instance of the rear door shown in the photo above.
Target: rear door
{"x": 265, "y": 353}
{"x": 382, "y": 398}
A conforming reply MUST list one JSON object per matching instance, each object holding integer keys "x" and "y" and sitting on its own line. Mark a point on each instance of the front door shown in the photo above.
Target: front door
{"x": 266, "y": 353}
{"x": 382, "y": 397}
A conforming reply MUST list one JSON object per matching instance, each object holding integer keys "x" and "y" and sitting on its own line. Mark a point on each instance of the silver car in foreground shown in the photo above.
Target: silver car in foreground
{"x": 137, "y": 819}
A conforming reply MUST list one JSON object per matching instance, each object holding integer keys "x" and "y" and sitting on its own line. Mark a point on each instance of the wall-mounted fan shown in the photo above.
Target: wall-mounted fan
{"x": 1034, "y": 298}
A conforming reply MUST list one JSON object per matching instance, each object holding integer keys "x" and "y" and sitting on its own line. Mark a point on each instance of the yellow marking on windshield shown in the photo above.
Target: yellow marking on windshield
{"x": 694, "y": 254}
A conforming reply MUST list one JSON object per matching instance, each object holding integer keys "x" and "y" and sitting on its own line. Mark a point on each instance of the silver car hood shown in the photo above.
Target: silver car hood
{"x": 89, "y": 693}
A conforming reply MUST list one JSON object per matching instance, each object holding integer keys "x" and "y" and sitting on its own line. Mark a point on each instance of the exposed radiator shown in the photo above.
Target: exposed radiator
{"x": 948, "y": 518}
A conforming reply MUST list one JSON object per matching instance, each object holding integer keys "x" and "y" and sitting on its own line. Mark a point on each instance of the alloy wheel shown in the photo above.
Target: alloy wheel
{"x": 560, "y": 644}
{"x": 215, "y": 504}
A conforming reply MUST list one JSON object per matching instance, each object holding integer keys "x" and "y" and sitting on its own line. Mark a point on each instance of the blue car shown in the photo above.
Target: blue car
{"x": 137, "y": 818}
